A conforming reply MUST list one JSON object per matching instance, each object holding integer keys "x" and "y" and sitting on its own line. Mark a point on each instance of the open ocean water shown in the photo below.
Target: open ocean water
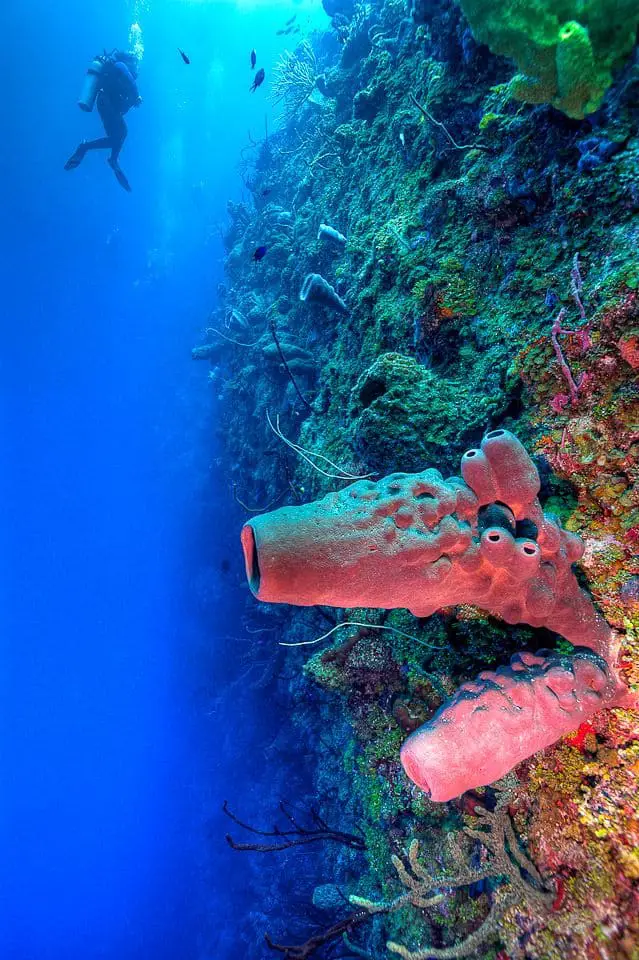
{"x": 111, "y": 503}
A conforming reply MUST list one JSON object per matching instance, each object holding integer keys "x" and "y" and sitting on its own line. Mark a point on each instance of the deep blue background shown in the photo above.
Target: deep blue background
{"x": 107, "y": 470}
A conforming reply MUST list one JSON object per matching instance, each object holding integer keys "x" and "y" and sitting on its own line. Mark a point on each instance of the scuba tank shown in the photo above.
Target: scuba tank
{"x": 91, "y": 84}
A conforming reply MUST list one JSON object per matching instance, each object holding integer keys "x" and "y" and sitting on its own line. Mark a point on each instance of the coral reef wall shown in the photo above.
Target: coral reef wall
{"x": 475, "y": 266}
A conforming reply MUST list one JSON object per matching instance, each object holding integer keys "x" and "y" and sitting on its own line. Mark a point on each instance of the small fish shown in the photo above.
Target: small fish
{"x": 259, "y": 80}
{"x": 225, "y": 565}
{"x": 291, "y": 21}
{"x": 253, "y": 59}
{"x": 266, "y": 191}
{"x": 259, "y": 254}
{"x": 184, "y": 56}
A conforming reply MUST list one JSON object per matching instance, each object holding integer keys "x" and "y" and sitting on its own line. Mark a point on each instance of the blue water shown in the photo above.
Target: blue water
{"x": 113, "y": 501}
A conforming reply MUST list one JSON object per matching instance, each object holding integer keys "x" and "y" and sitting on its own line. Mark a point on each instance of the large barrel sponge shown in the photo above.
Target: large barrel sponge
{"x": 504, "y": 716}
{"x": 565, "y": 50}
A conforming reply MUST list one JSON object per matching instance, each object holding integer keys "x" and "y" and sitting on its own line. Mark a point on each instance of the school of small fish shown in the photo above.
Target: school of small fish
{"x": 290, "y": 27}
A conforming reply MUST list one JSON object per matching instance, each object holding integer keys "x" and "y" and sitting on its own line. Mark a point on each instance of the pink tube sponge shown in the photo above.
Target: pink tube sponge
{"x": 490, "y": 725}
{"x": 414, "y": 541}
{"x": 373, "y": 544}
{"x": 501, "y": 471}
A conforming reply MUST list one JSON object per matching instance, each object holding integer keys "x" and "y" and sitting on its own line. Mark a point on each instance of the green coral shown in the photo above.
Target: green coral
{"x": 565, "y": 50}
{"x": 410, "y": 416}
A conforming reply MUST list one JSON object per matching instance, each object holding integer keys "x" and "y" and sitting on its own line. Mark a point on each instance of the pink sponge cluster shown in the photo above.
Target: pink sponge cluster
{"x": 422, "y": 542}
{"x": 418, "y": 541}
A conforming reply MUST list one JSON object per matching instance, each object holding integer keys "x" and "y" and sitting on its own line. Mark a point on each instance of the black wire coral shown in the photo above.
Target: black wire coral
{"x": 295, "y": 834}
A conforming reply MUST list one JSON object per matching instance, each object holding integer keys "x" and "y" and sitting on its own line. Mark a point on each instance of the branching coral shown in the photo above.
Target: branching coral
{"x": 507, "y": 866}
{"x": 428, "y": 115}
{"x": 519, "y": 879}
{"x": 294, "y": 835}
{"x": 294, "y": 78}
{"x": 304, "y": 950}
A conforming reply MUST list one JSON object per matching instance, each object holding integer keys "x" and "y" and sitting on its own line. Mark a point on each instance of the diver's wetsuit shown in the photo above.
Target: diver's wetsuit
{"x": 118, "y": 93}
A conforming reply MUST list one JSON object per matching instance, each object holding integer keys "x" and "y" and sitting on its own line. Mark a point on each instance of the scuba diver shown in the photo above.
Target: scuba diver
{"x": 111, "y": 83}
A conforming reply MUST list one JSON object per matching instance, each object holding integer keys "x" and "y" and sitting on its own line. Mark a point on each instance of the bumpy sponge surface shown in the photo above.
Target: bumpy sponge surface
{"x": 498, "y": 720}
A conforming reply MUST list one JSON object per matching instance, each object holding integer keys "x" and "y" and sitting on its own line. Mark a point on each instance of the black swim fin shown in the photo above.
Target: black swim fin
{"x": 76, "y": 158}
{"x": 119, "y": 173}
